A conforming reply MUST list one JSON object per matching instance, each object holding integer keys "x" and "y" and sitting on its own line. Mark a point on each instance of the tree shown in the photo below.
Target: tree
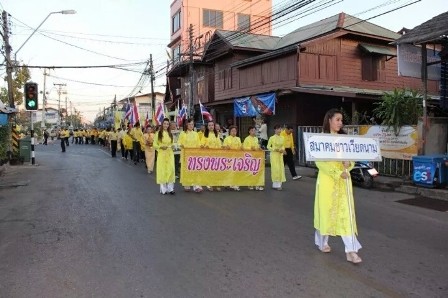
{"x": 398, "y": 108}
{"x": 22, "y": 75}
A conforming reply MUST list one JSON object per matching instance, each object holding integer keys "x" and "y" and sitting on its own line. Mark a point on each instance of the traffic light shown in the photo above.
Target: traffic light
{"x": 31, "y": 96}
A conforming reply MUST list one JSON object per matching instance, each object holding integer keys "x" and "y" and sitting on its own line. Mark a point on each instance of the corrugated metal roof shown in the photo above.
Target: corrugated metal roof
{"x": 433, "y": 30}
{"x": 248, "y": 40}
{"x": 378, "y": 50}
{"x": 333, "y": 23}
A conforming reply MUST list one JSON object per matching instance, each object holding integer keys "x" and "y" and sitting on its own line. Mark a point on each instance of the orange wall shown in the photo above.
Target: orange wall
{"x": 191, "y": 13}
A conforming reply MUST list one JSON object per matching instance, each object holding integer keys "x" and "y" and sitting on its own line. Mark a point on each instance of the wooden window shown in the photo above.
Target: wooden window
{"x": 373, "y": 68}
{"x": 212, "y": 18}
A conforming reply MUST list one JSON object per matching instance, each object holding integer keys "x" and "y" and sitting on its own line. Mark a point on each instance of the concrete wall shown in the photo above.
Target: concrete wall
{"x": 436, "y": 135}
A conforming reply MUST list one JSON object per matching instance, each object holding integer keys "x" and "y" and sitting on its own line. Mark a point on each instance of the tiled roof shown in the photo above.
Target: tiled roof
{"x": 248, "y": 40}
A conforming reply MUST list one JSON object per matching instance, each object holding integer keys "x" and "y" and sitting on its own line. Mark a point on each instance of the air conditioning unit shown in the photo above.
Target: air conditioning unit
{"x": 177, "y": 91}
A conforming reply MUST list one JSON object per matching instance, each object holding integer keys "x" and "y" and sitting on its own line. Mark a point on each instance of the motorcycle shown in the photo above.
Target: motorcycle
{"x": 363, "y": 174}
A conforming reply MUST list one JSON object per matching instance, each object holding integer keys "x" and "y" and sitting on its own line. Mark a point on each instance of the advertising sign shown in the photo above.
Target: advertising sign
{"x": 401, "y": 146}
{"x": 252, "y": 106}
{"x": 338, "y": 147}
{"x": 410, "y": 62}
{"x": 424, "y": 173}
{"x": 221, "y": 167}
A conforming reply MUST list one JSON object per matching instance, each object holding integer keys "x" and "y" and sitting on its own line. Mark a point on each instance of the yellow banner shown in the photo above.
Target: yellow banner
{"x": 220, "y": 167}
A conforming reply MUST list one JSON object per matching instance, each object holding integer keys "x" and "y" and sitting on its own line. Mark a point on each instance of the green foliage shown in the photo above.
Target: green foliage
{"x": 398, "y": 108}
{"x": 4, "y": 140}
{"x": 22, "y": 75}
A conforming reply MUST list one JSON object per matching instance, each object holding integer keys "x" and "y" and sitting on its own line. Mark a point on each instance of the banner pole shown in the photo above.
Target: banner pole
{"x": 350, "y": 211}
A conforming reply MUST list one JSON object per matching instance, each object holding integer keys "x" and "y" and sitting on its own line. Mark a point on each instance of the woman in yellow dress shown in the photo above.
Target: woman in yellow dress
{"x": 331, "y": 204}
{"x": 163, "y": 143}
{"x": 276, "y": 145}
{"x": 189, "y": 139}
{"x": 251, "y": 143}
{"x": 211, "y": 140}
{"x": 234, "y": 143}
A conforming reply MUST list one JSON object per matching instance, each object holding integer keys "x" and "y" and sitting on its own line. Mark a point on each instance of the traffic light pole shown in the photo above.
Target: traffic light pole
{"x": 33, "y": 159}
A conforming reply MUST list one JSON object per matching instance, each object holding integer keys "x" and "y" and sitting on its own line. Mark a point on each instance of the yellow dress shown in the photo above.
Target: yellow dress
{"x": 251, "y": 142}
{"x": 212, "y": 141}
{"x": 188, "y": 139}
{"x": 165, "y": 159}
{"x": 234, "y": 143}
{"x": 277, "y": 166}
{"x": 331, "y": 212}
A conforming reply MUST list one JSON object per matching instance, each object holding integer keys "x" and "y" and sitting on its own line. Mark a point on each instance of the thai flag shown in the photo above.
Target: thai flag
{"x": 205, "y": 114}
{"x": 147, "y": 119}
{"x": 160, "y": 114}
{"x": 128, "y": 110}
{"x": 135, "y": 117}
{"x": 182, "y": 114}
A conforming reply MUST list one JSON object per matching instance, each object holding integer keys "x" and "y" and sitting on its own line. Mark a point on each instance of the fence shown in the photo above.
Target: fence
{"x": 387, "y": 167}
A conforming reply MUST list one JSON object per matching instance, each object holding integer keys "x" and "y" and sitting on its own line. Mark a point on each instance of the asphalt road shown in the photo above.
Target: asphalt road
{"x": 84, "y": 224}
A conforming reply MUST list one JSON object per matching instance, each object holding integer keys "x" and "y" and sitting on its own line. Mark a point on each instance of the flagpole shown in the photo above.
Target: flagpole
{"x": 202, "y": 115}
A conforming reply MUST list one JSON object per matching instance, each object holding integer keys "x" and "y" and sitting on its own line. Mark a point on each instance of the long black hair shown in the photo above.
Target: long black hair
{"x": 326, "y": 125}
{"x": 206, "y": 132}
{"x": 160, "y": 133}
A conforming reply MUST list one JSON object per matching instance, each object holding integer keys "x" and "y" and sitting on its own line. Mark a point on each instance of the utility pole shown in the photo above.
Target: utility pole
{"x": 190, "y": 102}
{"x": 153, "y": 95}
{"x": 44, "y": 101}
{"x": 59, "y": 101}
{"x": 9, "y": 65}
{"x": 66, "y": 110}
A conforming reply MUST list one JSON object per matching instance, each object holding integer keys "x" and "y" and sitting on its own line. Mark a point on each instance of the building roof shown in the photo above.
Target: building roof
{"x": 333, "y": 23}
{"x": 238, "y": 39}
{"x": 434, "y": 30}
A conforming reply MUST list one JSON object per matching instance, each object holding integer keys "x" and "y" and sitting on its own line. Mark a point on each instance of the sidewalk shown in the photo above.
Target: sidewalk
{"x": 392, "y": 184}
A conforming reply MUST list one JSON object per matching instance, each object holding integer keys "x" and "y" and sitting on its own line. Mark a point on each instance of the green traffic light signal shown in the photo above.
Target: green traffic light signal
{"x": 31, "y": 96}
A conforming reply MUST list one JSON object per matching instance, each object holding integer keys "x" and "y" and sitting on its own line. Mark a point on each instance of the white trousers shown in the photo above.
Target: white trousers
{"x": 351, "y": 243}
{"x": 166, "y": 187}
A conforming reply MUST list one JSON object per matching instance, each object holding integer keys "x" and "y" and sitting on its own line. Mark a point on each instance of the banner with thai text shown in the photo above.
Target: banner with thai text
{"x": 252, "y": 106}
{"x": 320, "y": 146}
{"x": 221, "y": 167}
{"x": 401, "y": 146}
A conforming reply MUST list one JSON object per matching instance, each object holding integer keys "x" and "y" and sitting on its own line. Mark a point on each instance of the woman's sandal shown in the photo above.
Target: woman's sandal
{"x": 326, "y": 248}
{"x": 353, "y": 257}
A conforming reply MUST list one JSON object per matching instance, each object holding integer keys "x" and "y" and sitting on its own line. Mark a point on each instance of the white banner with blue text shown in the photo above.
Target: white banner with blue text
{"x": 326, "y": 147}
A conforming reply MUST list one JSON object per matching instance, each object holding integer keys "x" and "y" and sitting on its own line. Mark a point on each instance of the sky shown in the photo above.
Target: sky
{"x": 124, "y": 33}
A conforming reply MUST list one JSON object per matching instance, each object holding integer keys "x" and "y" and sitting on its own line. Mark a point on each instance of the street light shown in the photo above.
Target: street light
{"x": 69, "y": 11}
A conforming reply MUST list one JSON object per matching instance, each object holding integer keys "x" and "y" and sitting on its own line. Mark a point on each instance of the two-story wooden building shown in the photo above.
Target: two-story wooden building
{"x": 341, "y": 61}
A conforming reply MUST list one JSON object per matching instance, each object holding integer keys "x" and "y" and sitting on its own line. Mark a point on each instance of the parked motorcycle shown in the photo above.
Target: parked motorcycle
{"x": 363, "y": 174}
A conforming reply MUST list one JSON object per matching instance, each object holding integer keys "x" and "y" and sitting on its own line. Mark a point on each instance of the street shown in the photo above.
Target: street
{"x": 83, "y": 224}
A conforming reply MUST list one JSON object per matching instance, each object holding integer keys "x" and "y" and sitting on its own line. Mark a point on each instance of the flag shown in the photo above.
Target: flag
{"x": 160, "y": 114}
{"x": 147, "y": 119}
{"x": 181, "y": 115}
{"x": 128, "y": 112}
{"x": 135, "y": 117}
{"x": 205, "y": 114}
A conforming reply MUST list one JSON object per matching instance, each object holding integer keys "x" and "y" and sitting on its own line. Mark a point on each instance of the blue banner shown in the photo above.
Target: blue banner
{"x": 252, "y": 106}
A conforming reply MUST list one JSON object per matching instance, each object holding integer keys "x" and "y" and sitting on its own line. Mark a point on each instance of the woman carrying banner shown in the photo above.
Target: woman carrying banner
{"x": 234, "y": 143}
{"x": 276, "y": 145}
{"x": 211, "y": 140}
{"x": 163, "y": 143}
{"x": 188, "y": 139}
{"x": 251, "y": 143}
{"x": 333, "y": 216}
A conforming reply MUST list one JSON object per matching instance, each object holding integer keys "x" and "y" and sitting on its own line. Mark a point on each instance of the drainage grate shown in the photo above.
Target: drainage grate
{"x": 434, "y": 204}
